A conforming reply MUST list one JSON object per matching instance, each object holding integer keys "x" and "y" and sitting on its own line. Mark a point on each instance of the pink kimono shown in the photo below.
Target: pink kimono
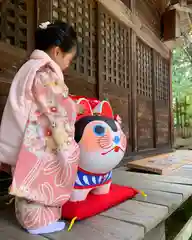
{"x": 37, "y": 140}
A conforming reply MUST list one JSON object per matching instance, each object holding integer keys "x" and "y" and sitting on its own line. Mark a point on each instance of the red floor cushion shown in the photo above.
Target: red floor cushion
{"x": 95, "y": 204}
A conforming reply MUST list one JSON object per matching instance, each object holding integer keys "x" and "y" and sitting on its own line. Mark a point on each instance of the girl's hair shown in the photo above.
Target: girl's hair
{"x": 59, "y": 34}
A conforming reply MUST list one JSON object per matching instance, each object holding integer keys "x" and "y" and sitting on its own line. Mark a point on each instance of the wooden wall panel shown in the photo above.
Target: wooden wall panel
{"x": 4, "y": 91}
{"x": 149, "y": 12}
{"x": 144, "y": 123}
{"x": 162, "y": 100}
{"x": 79, "y": 86}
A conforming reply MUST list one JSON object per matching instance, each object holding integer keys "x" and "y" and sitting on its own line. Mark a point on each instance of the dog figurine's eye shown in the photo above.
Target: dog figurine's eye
{"x": 99, "y": 130}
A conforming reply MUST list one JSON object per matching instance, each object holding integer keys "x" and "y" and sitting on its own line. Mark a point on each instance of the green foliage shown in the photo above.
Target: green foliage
{"x": 181, "y": 74}
{"x": 182, "y": 85}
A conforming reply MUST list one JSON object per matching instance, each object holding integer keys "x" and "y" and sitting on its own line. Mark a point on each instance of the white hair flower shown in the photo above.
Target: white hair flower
{"x": 44, "y": 25}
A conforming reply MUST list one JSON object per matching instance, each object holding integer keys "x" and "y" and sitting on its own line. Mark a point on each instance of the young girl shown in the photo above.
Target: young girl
{"x": 37, "y": 131}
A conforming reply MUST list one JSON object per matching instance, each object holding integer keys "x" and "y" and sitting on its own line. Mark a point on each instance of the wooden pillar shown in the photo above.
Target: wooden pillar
{"x": 154, "y": 99}
{"x": 32, "y": 23}
{"x": 134, "y": 93}
{"x": 133, "y": 85}
{"x": 44, "y": 11}
{"x": 99, "y": 53}
{"x": 171, "y": 115}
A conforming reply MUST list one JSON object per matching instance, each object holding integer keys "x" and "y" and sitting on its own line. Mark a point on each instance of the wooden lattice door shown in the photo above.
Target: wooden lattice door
{"x": 82, "y": 77}
{"x": 145, "y": 119}
{"x": 17, "y": 22}
{"x": 115, "y": 66}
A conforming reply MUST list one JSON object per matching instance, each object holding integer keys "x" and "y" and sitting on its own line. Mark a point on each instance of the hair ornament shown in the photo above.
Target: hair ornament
{"x": 44, "y": 25}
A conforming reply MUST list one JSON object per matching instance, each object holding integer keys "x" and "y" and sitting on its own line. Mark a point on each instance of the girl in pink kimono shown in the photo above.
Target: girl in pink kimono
{"x": 37, "y": 131}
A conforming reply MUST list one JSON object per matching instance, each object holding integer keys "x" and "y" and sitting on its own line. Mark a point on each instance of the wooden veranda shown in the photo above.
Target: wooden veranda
{"x": 126, "y": 58}
{"x": 164, "y": 214}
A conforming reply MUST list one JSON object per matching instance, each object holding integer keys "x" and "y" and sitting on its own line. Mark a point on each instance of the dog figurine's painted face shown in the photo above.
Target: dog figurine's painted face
{"x": 100, "y": 137}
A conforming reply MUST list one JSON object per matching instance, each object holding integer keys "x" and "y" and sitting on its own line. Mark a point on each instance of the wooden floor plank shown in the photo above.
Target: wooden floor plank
{"x": 173, "y": 178}
{"x": 157, "y": 233}
{"x": 128, "y": 180}
{"x": 129, "y": 220}
{"x": 10, "y": 229}
{"x": 171, "y": 200}
{"x": 184, "y": 172}
{"x": 102, "y": 228}
{"x": 98, "y": 227}
{"x": 146, "y": 214}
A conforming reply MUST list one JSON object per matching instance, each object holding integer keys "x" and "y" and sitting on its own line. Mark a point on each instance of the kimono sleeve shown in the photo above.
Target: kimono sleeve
{"x": 50, "y": 92}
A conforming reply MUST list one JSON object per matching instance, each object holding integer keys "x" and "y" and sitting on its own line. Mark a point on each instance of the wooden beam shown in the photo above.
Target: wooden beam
{"x": 124, "y": 14}
{"x": 100, "y": 83}
{"x": 154, "y": 99}
{"x": 186, "y": 231}
{"x": 133, "y": 103}
{"x": 171, "y": 116}
{"x": 31, "y": 18}
{"x": 181, "y": 8}
{"x": 134, "y": 94}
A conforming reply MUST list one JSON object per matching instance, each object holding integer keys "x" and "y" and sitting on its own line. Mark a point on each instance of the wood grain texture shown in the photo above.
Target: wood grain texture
{"x": 186, "y": 170}
{"x": 102, "y": 228}
{"x": 149, "y": 14}
{"x": 125, "y": 179}
{"x": 145, "y": 214}
{"x": 186, "y": 232}
{"x": 170, "y": 200}
{"x": 10, "y": 230}
{"x": 157, "y": 233}
{"x": 162, "y": 164}
{"x": 173, "y": 178}
{"x": 124, "y": 14}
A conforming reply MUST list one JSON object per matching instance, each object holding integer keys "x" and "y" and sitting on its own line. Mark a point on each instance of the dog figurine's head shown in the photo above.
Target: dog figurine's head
{"x": 99, "y": 135}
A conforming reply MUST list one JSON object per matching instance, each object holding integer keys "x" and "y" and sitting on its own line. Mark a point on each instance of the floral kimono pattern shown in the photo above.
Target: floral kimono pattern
{"x": 46, "y": 167}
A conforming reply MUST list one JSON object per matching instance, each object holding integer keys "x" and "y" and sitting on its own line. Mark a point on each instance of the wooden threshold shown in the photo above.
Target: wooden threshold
{"x": 147, "y": 153}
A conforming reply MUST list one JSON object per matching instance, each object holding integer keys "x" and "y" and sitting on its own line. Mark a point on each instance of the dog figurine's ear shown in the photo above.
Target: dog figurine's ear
{"x": 86, "y": 108}
{"x": 103, "y": 109}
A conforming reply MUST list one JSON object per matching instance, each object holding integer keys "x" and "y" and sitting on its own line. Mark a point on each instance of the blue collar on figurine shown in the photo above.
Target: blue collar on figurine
{"x": 87, "y": 179}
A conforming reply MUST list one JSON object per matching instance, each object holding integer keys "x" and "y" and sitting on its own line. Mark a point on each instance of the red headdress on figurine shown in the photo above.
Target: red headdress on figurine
{"x": 95, "y": 107}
